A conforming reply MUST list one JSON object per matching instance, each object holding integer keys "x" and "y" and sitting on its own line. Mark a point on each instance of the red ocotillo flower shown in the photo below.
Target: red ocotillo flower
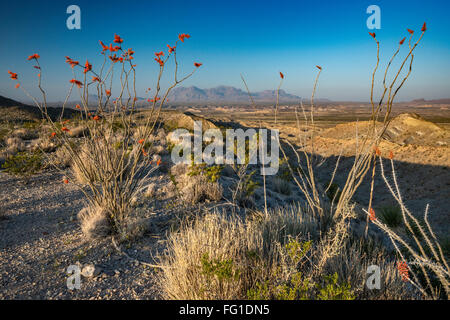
{"x": 158, "y": 54}
{"x": 104, "y": 47}
{"x": 281, "y": 75}
{"x": 117, "y": 39}
{"x": 52, "y": 134}
{"x": 391, "y": 155}
{"x": 183, "y": 36}
{"x": 79, "y": 84}
{"x": 424, "y": 27}
{"x": 144, "y": 153}
{"x": 65, "y": 129}
{"x": 161, "y": 63}
{"x": 66, "y": 181}
{"x": 72, "y": 63}
{"x": 96, "y": 118}
{"x": 141, "y": 141}
{"x": 196, "y": 64}
{"x": 410, "y": 31}
{"x": 95, "y": 79}
{"x": 108, "y": 92}
{"x": 12, "y": 75}
{"x": 372, "y": 34}
{"x": 402, "y": 41}
{"x": 372, "y": 215}
{"x": 402, "y": 268}
{"x": 158, "y": 162}
{"x": 87, "y": 67}
{"x": 319, "y": 67}
{"x": 377, "y": 150}
{"x": 78, "y": 106}
{"x": 114, "y": 58}
{"x": 171, "y": 49}
{"x": 17, "y": 85}
{"x": 34, "y": 56}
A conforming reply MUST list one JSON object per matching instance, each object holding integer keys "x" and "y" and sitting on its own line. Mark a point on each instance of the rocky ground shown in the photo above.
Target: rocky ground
{"x": 40, "y": 238}
{"x": 40, "y": 235}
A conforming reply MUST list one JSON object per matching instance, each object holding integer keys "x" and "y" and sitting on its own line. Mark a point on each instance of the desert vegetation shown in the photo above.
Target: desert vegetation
{"x": 225, "y": 231}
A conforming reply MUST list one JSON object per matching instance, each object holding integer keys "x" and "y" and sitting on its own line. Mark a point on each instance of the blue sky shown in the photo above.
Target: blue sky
{"x": 255, "y": 38}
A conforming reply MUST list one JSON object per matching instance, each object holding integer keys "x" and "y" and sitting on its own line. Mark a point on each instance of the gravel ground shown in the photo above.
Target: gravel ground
{"x": 40, "y": 238}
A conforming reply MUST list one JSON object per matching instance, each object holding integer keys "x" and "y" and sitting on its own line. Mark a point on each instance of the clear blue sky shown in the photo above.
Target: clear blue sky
{"x": 255, "y": 38}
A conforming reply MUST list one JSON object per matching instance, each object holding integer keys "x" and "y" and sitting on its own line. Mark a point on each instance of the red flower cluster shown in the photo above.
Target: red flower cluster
{"x": 183, "y": 36}
{"x": 372, "y": 34}
{"x": 117, "y": 39}
{"x": 12, "y": 75}
{"x": 424, "y": 27}
{"x": 281, "y": 75}
{"x": 372, "y": 215}
{"x": 196, "y": 64}
{"x": 72, "y": 63}
{"x": 402, "y": 41}
{"x": 87, "y": 67}
{"x": 34, "y": 56}
{"x": 402, "y": 268}
{"x": 171, "y": 49}
{"x": 79, "y": 84}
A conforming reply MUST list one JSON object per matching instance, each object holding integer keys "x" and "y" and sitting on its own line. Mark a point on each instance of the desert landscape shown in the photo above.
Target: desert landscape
{"x": 200, "y": 173}
{"x": 40, "y": 225}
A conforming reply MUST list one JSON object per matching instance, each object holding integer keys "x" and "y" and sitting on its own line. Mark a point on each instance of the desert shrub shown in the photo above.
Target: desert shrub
{"x": 224, "y": 257}
{"x": 391, "y": 216}
{"x": 333, "y": 192}
{"x": 25, "y": 133}
{"x": 281, "y": 186}
{"x": 23, "y": 163}
{"x": 112, "y": 168}
{"x": 244, "y": 187}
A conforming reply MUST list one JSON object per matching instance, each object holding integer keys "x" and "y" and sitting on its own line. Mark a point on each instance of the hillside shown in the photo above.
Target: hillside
{"x": 16, "y": 111}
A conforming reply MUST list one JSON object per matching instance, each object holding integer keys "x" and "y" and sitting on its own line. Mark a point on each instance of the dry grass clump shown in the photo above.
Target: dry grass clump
{"x": 14, "y": 145}
{"x": 352, "y": 265}
{"x": 221, "y": 256}
{"x": 194, "y": 188}
{"x": 95, "y": 222}
{"x": 61, "y": 158}
{"x": 199, "y": 189}
{"x": 84, "y": 169}
{"x": 281, "y": 186}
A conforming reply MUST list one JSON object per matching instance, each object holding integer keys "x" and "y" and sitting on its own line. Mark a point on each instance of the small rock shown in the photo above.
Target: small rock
{"x": 90, "y": 270}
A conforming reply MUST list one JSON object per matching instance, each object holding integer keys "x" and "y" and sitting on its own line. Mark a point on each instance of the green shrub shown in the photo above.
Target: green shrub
{"x": 391, "y": 216}
{"x": 23, "y": 163}
{"x": 333, "y": 192}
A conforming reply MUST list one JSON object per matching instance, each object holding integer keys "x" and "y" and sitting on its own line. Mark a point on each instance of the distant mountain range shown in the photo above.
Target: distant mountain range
{"x": 226, "y": 93}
